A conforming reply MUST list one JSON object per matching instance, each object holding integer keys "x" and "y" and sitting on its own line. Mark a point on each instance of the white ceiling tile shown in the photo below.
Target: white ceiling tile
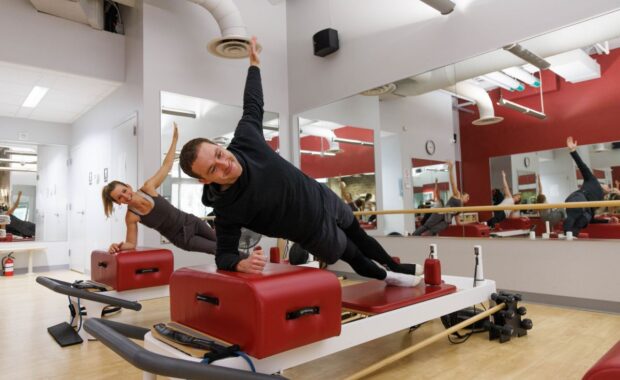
{"x": 10, "y": 98}
{"x": 19, "y": 74}
{"x": 8, "y": 109}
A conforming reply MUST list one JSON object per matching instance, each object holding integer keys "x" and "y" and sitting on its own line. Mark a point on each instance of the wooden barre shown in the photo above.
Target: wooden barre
{"x": 407, "y": 351}
{"x": 533, "y": 206}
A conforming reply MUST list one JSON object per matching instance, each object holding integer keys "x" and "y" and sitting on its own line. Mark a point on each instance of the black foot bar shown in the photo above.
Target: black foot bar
{"x": 65, "y": 288}
{"x": 115, "y": 336}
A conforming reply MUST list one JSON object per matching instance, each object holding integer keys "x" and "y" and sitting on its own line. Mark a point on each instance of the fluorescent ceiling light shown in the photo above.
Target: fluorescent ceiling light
{"x": 520, "y": 108}
{"x": 443, "y": 6}
{"x": 523, "y": 76}
{"x": 178, "y": 112}
{"x": 527, "y": 56}
{"x": 505, "y": 79}
{"x": 35, "y": 96}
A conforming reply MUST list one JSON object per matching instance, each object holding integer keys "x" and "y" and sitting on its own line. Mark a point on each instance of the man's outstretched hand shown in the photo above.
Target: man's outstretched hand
{"x": 254, "y": 60}
{"x": 253, "y": 264}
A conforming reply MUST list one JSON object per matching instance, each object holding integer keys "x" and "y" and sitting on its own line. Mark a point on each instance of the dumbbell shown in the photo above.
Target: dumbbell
{"x": 527, "y": 324}
{"x": 522, "y": 310}
{"x": 507, "y": 314}
{"x": 502, "y": 298}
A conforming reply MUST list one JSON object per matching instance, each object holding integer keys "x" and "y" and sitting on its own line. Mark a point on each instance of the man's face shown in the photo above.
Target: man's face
{"x": 215, "y": 164}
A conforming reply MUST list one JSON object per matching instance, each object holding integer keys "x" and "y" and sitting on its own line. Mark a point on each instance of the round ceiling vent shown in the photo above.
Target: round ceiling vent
{"x": 231, "y": 47}
{"x": 488, "y": 120}
{"x": 381, "y": 90}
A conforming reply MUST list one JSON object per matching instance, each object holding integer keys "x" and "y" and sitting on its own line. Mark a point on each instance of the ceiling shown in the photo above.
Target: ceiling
{"x": 68, "y": 98}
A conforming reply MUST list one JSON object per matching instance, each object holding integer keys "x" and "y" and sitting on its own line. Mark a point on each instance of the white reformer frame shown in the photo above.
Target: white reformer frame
{"x": 353, "y": 333}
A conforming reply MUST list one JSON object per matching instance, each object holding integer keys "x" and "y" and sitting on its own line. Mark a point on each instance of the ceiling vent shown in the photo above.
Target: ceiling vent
{"x": 234, "y": 42}
{"x": 381, "y": 90}
{"x": 89, "y": 12}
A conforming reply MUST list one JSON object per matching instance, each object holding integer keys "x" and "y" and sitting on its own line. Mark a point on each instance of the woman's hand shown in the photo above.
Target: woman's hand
{"x": 115, "y": 247}
{"x": 175, "y": 133}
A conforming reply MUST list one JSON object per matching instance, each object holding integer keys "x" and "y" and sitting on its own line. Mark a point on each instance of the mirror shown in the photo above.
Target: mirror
{"x": 39, "y": 173}
{"x": 343, "y": 158}
{"x": 198, "y": 117}
{"x": 493, "y": 107}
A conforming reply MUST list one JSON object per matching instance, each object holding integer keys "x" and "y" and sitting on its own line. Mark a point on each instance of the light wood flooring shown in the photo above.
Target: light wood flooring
{"x": 563, "y": 344}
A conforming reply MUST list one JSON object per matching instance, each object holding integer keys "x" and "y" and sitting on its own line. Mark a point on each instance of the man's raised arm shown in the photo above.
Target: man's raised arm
{"x": 253, "y": 94}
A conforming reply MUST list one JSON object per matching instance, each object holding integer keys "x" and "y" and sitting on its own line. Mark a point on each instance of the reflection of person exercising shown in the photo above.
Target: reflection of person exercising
{"x": 509, "y": 200}
{"x": 439, "y": 222}
{"x": 249, "y": 185}
{"x": 146, "y": 206}
{"x": 17, "y": 226}
{"x": 591, "y": 190}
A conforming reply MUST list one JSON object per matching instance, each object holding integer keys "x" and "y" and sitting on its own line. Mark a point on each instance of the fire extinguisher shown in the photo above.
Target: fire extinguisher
{"x": 7, "y": 264}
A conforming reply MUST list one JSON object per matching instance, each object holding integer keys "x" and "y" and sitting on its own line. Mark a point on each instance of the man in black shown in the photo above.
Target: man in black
{"x": 249, "y": 185}
{"x": 591, "y": 190}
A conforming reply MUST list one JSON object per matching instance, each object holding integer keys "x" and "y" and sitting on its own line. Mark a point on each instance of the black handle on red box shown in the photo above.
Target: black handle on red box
{"x": 102, "y": 264}
{"x": 147, "y": 270}
{"x": 208, "y": 299}
{"x": 303, "y": 311}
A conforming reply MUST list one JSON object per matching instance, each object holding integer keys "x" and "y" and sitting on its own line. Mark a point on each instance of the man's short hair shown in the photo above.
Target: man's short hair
{"x": 189, "y": 153}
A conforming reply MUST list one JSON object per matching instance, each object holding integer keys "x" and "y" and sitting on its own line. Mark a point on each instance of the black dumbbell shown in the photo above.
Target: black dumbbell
{"x": 507, "y": 314}
{"x": 527, "y": 324}
{"x": 522, "y": 310}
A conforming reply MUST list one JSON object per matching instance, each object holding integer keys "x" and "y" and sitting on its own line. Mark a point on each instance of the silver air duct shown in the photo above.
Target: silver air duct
{"x": 528, "y": 56}
{"x": 234, "y": 42}
{"x": 482, "y": 99}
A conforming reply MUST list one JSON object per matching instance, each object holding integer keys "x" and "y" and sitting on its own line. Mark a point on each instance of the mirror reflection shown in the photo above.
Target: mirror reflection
{"x": 343, "y": 158}
{"x": 197, "y": 117}
{"x": 33, "y": 187}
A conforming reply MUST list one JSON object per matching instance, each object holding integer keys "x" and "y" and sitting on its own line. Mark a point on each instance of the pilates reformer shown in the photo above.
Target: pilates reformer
{"x": 119, "y": 281}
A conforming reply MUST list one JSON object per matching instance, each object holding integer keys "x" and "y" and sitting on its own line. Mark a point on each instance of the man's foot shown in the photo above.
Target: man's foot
{"x": 401, "y": 279}
{"x": 412, "y": 269}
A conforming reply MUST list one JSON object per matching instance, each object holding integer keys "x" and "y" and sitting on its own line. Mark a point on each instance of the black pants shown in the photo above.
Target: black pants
{"x": 341, "y": 237}
{"x": 577, "y": 218}
{"x": 498, "y": 216}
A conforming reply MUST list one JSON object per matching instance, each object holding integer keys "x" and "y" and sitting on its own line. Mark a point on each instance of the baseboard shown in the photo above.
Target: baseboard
{"x": 42, "y": 268}
{"x": 547, "y": 299}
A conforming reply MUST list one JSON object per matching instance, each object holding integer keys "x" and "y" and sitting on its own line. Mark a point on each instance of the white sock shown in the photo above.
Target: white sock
{"x": 401, "y": 279}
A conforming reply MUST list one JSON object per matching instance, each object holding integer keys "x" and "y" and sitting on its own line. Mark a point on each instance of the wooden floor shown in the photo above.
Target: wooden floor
{"x": 563, "y": 344}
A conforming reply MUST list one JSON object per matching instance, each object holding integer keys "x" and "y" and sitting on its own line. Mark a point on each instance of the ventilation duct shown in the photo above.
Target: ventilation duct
{"x": 89, "y": 12}
{"x": 482, "y": 99}
{"x": 333, "y": 140}
{"x": 234, "y": 42}
{"x": 443, "y": 6}
{"x": 381, "y": 90}
{"x": 606, "y": 27}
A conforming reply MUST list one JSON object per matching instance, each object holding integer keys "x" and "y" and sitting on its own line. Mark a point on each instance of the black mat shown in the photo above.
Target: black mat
{"x": 64, "y": 334}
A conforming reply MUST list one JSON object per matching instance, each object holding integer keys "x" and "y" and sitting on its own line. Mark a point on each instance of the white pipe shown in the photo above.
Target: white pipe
{"x": 482, "y": 99}
{"x": 505, "y": 79}
{"x": 226, "y": 15}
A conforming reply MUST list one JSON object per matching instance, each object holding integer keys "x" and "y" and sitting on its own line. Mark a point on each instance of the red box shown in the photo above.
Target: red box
{"x": 280, "y": 309}
{"x": 134, "y": 269}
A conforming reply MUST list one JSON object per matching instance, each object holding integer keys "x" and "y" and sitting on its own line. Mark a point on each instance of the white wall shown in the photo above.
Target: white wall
{"x": 392, "y": 183}
{"x": 52, "y": 192}
{"x": 37, "y": 132}
{"x": 28, "y": 37}
{"x": 401, "y": 50}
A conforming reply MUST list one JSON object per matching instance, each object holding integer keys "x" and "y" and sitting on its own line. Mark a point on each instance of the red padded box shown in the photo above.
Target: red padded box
{"x": 607, "y": 367}
{"x": 522, "y": 223}
{"x": 280, "y": 309}
{"x": 134, "y": 269}
{"x": 467, "y": 230}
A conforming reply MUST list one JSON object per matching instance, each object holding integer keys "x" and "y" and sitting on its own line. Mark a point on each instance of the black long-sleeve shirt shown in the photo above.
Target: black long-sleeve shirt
{"x": 271, "y": 197}
{"x": 591, "y": 187}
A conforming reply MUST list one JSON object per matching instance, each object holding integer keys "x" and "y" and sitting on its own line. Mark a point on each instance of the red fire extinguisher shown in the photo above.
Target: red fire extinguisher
{"x": 7, "y": 264}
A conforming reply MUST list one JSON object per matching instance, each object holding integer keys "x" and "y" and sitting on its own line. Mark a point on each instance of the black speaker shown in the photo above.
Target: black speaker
{"x": 325, "y": 42}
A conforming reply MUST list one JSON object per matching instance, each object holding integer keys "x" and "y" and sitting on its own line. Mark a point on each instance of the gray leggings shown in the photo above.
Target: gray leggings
{"x": 197, "y": 237}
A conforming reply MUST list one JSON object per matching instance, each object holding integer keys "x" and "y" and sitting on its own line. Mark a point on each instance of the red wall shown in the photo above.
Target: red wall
{"x": 589, "y": 111}
{"x": 354, "y": 159}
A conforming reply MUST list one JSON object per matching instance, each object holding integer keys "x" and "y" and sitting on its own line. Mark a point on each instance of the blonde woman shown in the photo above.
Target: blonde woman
{"x": 146, "y": 206}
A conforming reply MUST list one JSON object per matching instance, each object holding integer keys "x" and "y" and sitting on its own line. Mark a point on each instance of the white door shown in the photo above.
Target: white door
{"x": 77, "y": 213}
{"x": 124, "y": 168}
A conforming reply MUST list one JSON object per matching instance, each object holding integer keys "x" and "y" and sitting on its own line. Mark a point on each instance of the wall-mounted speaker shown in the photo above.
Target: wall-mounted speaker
{"x": 325, "y": 42}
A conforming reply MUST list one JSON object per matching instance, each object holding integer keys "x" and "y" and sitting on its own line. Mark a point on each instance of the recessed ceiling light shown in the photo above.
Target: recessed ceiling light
{"x": 35, "y": 96}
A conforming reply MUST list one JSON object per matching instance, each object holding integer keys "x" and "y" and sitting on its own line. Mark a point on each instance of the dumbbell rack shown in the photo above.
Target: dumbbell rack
{"x": 508, "y": 322}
